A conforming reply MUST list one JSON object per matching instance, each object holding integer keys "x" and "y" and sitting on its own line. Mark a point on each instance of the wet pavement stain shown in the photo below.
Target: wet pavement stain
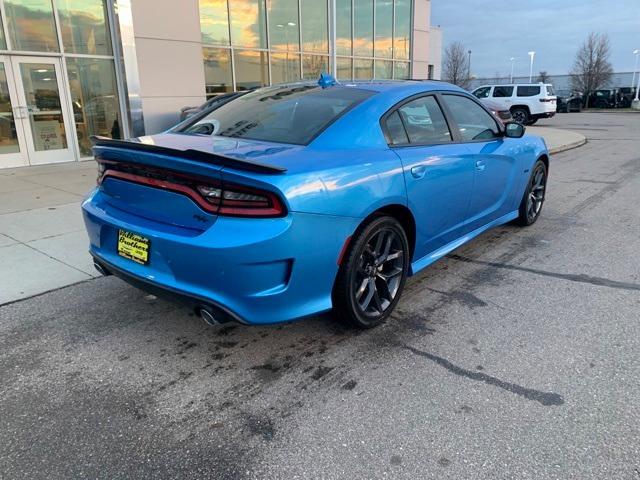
{"x": 544, "y": 398}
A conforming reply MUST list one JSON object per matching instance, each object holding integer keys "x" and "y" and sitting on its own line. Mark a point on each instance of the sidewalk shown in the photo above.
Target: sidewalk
{"x": 43, "y": 245}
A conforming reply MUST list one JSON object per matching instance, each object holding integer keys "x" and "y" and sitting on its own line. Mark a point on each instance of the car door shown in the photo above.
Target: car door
{"x": 438, "y": 173}
{"x": 503, "y": 94}
{"x": 493, "y": 158}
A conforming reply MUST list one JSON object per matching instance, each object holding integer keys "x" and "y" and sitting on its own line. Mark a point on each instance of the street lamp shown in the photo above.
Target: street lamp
{"x": 469, "y": 52}
{"x": 531, "y": 54}
{"x": 512, "y": 63}
{"x": 636, "y": 52}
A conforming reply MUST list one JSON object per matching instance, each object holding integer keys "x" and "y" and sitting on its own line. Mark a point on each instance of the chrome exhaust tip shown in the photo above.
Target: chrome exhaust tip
{"x": 101, "y": 269}
{"x": 207, "y": 316}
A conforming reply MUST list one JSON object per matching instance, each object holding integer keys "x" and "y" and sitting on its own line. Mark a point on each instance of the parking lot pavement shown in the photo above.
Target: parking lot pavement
{"x": 514, "y": 357}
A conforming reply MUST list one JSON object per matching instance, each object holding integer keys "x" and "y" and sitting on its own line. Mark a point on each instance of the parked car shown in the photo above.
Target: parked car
{"x": 603, "y": 98}
{"x": 628, "y": 94}
{"x": 503, "y": 114}
{"x": 568, "y": 101}
{"x": 217, "y": 100}
{"x": 527, "y": 102}
{"x": 309, "y": 197}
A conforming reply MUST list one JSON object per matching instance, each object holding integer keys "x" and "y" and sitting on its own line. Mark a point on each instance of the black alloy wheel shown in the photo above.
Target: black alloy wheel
{"x": 373, "y": 273}
{"x": 534, "y": 196}
{"x": 520, "y": 115}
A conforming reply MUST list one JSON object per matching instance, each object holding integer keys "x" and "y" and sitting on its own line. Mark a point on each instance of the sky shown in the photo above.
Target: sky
{"x": 496, "y": 30}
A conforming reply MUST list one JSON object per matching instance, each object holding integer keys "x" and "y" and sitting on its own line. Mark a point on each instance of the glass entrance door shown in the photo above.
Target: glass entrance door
{"x": 39, "y": 106}
{"x": 12, "y": 146}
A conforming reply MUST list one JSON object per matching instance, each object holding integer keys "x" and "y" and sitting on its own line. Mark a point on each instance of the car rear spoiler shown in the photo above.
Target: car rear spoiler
{"x": 193, "y": 155}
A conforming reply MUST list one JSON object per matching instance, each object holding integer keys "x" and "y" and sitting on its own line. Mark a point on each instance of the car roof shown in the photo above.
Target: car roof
{"x": 385, "y": 85}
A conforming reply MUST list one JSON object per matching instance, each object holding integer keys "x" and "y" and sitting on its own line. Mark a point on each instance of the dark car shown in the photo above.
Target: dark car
{"x": 217, "y": 100}
{"x": 627, "y": 95}
{"x": 568, "y": 101}
{"x": 604, "y": 98}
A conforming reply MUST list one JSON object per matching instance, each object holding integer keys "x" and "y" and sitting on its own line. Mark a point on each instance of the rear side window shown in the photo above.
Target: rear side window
{"x": 396, "y": 134}
{"x": 550, "y": 90}
{"x": 501, "y": 92}
{"x": 424, "y": 121}
{"x": 528, "y": 91}
{"x": 284, "y": 114}
{"x": 473, "y": 121}
{"x": 482, "y": 92}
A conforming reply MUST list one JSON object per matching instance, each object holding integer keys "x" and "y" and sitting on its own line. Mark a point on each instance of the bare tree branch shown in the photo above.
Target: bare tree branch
{"x": 592, "y": 69}
{"x": 544, "y": 77}
{"x": 456, "y": 65}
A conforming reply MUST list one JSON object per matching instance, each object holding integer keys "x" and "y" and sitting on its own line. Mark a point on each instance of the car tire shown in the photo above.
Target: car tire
{"x": 520, "y": 115}
{"x": 372, "y": 274}
{"x": 534, "y": 195}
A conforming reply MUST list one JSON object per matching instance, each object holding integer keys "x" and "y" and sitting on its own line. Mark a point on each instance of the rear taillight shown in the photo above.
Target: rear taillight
{"x": 211, "y": 196}
{"x": 545, "y": 100}
{"x": 242, "y": 201}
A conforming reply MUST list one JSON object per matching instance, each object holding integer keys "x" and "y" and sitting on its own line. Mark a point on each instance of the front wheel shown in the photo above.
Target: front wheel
{"x": 373, "y": 273}
{"x": 534, "y": 195}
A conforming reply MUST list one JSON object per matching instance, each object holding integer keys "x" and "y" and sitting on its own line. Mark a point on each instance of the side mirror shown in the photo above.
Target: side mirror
{"x": 514, "y": 130}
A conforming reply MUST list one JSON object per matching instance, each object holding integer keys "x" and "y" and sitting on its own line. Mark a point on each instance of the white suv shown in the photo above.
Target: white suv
{"x": 527, "y": 101}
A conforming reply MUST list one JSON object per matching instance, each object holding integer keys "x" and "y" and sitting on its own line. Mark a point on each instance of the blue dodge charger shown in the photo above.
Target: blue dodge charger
{"x": 297, "y": 199}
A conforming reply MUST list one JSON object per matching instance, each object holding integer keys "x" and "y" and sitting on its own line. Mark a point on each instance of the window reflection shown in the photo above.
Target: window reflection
{"x": 401, "y": 70}
{"x": 363, "y": 28}
{"x": 84, "y": 26}
{"x": 283, "y": 25}
{"x": 3, "y": 42}
{"x": 251, "y": 69}
{"x": 344, "y": 69}
{"x": 384, "y": 69}
{"x": 314, "y": 65}
{"x": 362, "y": 69}
{"x": 8, "y": 135}
{"x": 285, "y": 67}
{"x": 94, "y": 98}
{"x": 217, "y": 71}
{"x": 315, "y": 29}
{"x": 248, "y": 27}
{"x": 401, "y": 41}
{"x": 343, "y": 27}
{"x": 384, "y": 29}
{"x": 31, "y": 26}
{"x": 214, "y": 22}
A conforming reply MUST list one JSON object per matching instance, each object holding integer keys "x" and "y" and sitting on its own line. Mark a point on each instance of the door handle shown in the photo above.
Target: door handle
{"x": 418, "y": 171}
{"x": 480, "y": 166}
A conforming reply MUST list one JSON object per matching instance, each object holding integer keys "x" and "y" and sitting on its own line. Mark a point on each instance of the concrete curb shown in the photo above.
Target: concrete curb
{"x": 568, "y": 146}
{"x": 558, "y": 140}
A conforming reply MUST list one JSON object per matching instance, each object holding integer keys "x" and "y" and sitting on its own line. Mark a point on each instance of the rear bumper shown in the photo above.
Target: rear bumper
{"x": 258, "y": 271}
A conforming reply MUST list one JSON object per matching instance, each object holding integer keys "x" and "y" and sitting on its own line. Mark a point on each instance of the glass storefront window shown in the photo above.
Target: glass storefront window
{"x": 94, "y": 98}
{"x": 363, "y": 28}
{"x": 8, "y": 134}
{"x": 3, "y": 42}
{"x": 401, "y": 70}
{"x": 343, "y": 27}
{"x": 217, "y": 71}
{"x": 248, "y": 26}
{"x": 402, "y": 37}
{"x": 214, "y": 22}
{"x": 314, "y": 65}
{"x": 285, "y": 67}
{"x": 384, "y": 29}
{"x": 31, "y": 25}
{"x": 84, "y": 26}
{"x": 315, "y": 27}
{"x": 384, "y": 69}
{"x": 284, "y": 31}
{"x": 362, "y": 69}
{"x": 251, "y": 69}
{"x": 343, "y": 68}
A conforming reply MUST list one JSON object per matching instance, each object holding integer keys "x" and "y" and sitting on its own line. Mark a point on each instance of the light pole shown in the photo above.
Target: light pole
{"x": 512, "y": 62}
{"x": 469, "y": 52}
{"x": 636, "y": 52}
{"x": 531, "y": 54}
{"x": 636, "y": 101}
{"x": 285, "y": 67}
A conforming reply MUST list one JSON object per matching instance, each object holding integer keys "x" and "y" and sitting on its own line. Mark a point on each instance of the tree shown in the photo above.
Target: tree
{"x": 544, "y": 77}
{"x": 592, "y": 69}
{"x": 456, "y": 67}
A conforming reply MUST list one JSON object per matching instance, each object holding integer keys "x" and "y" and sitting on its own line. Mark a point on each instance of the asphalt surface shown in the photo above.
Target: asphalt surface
{"x": 515, "y": 357}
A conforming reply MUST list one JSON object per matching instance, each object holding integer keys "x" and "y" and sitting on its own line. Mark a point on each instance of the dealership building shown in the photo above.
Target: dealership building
{"x": 70, "y": 69}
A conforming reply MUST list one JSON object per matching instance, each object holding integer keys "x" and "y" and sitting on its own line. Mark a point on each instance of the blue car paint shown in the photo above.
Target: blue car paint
{"x": 275, "y": 270}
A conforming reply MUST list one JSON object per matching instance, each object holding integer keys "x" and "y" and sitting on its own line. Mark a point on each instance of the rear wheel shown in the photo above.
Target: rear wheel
{"x": 520, "y": 115}
{"x": 373, "y": 273}
{"x": 533, "y": 199}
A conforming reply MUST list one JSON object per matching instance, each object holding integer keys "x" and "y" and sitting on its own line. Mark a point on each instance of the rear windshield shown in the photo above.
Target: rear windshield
{"x": 284, "y": 114}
